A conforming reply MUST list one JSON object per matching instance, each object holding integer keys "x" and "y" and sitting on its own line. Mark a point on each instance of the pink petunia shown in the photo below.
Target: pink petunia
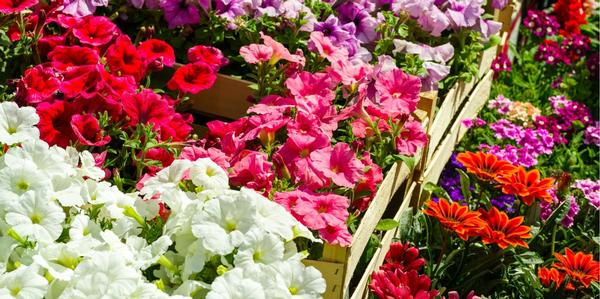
{"x": 289, "y": 200}
{"x": 411, "y": 138}
{"x": 362, "y": 129}
{"x": 367, "y": 185}
{"x": 309, "y": 124}
{"x": 272, "y": 104}
{"x": 194, "y": 153}
{"x": 147, "y": 107}
{"x": 339, "y": 164}
{"x": 256, "y": 53}
{"x": 297, "y": 151}
{"x": 337, "y": 234}
{"x": 264, "y": 127}
{"x": 398, "y": 92}
{"x": 348, "y": 73}
{"x": 88, "y": 131}
{"x": 326, "y": 48}
{"x": 322, "y": 210}
{"x": 280, "y": 52}
{"x": 253, "y": 171}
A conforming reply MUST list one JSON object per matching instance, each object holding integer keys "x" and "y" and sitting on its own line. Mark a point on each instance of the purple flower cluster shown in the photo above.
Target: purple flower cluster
{"x": 475, "y": 122}
{"x": 537, "y": 141}
{"x": 570, "y": 111}
{"x": 450, "y": 179}
{"x": 437, "y": 16}
{"x": 576, "y": 45}
{"x": 592, "y": 65}
{"x": 554, "y": 126}
{"x": 501, "y": 63}
{"x": 591, "y": 191}
{"x": 501, "y": 104}
{"x": 540, "y": 23}
{"x": 515, "y": 155}
{"x": 548, "y": 208}
{"x": 592, "y": 134}
{"x": 504, "y": 202}
{"x": 552, "y": 53}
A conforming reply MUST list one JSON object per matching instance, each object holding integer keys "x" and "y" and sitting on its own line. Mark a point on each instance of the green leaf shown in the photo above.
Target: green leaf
{"x": 409, "y": 161}
{"x": 435, "y": 189}
{"x": 404, "y": 225}
{"x": 562, "y": 211}
{"x": 465, "y": 184}
{"x": 387, "y": 224}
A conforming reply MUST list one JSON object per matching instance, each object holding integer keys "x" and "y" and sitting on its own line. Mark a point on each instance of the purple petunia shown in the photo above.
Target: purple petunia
{"x": 342, "y": 36}
{"x": 82, "y": 8}
{"x": 180, "y": 12}
{"x": 427, "y": 14}
{"x": 464, "y": 13}
{"x": 364, "y": 23}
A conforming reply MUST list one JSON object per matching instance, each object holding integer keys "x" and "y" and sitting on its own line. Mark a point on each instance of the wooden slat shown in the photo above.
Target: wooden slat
{"x": 228, "y": 98}
{"x": 332, "y": 272}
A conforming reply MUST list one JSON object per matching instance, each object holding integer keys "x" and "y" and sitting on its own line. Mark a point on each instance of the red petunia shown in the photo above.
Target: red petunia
{"x": 64, "y": 57}
{"x": 87, "y": 130}
{"x": 193, "y": 78}
{"x": 48, "y": 43}
{"x": 81, "y": 80}
{"x": 13, "y": 6}
{"x": 95, "y": 31}
{"x": 146, "y": 107}
{"x": 123, "y": 59}
{"x": 178, "y": 128}
{"x": 55, "y": 122}
{"x": 157, "y": 154}
{"x": 38, "y": 85}
{"x": 157, "y": 51}
{"x": 206, "y": 54}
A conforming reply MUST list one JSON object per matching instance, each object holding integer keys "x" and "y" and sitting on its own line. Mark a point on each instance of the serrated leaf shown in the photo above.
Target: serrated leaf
{"x": 386, "y": 224}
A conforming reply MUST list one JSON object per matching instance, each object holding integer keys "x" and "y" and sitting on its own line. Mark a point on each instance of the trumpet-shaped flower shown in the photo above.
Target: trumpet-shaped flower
{"x": 35, "y": 217}
{"x": 339, "y": 164}
{"x": 23, "y": 283}
{"x": 17, "y": 124}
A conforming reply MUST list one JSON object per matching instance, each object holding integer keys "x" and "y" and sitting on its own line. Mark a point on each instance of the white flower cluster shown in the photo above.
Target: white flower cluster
{"x": 65, "y": 233}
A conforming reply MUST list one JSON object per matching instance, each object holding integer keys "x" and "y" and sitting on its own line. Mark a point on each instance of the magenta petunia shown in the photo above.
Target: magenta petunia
{"x": 398, "y": 92}
{"x": 256, "y": 53}
{"x": 88, "y": 131}
{"x": 411, "y": 138}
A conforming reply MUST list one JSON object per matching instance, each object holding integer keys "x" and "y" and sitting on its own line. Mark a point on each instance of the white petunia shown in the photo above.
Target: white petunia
{"x": 195, "y": 258}
{"x": 49, "y": 160}
{"x": 208, "y": 175}
{"x": 233, "y": 285}
{"x": 35, "y": 217}
{"x": 222, "y": 223}
{"x": 87, "y": 167}
{"x": 103, "y": 275}
{"x": 7, "y": 245}
{"x": 147, "y": 255}
{"x": 67, "y": 191}
{"x": 17, "y": 124}
{"x": 23, "y": 283}
{"x": 166, "y": 179}
{"x": 294, "y": 280}
{"x": 259, "y": 248}
{"x": 18, "y": 179}
{"x": 58, "y": 259}
{"x": 82, "y": 227}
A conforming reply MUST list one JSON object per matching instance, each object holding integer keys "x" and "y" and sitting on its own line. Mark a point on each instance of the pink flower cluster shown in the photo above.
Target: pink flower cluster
{"x": 302, "y": 141}
{"x": 591, "y": 191}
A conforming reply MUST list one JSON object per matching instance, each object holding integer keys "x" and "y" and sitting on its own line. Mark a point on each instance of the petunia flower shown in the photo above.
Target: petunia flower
{"x": 339, "y": 163}
{"x": 63, "y": 57}
{"x": 17, "y": 124}
{"x": 180, "y": 12}
{"x": 123, "y": 58}
{"x": 82, "y": 8}
{"x": 193, "y": 78}
{"x": 398, "y": 92}
{"x": 321, "y": 210}
{"x": 156, "y": 51}
{"x": 207, "y": 54}
{"x": 10, "y": 6}
{"x": 325, "y": 47}
{"x": 256, "y": 53}
{"x": 411, "y": 138}
{"x": 95, "y": 31}
{"x": 88, "y": 131}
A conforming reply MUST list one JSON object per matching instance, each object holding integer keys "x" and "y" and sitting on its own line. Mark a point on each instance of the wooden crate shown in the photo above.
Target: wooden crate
{"x": 227, "y": 99}
{"x": 442, "y": 154}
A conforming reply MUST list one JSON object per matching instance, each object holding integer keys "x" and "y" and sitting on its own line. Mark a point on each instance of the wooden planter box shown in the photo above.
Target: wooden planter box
{"x": 442, "y": 154}
{"x": 454, "y": 100}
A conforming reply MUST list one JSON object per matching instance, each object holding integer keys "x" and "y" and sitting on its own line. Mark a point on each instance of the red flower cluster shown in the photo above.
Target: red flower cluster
{"x": 570, "y": 14}
{"x": 93, "y": 69}
{"x": 493, "y": 226}
{"x": 580, "y": 268}
{"x": 399, "y": 276}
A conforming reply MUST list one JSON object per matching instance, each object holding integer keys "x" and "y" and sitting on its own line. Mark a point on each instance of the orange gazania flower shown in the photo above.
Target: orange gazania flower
{"x": 485, "y": 166}
{"x": 464, "y": 222}
{"x": 547, "y": 276}
{"x": 502, "y": 231}
{"x": 579, "y": 266}
{"x": 527, "y": 185}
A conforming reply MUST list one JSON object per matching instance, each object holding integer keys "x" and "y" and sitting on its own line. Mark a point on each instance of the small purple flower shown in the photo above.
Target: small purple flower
{"x": 501, "y": 104}
{"x": 180, "y": 12}
{"x": 504, "y": 202}
{"x": 467, "y": 123}
{"x": 570, "y": 111}
{"x": 556, "y": 83}
{"x": 591, "y": 191}
{"x": 501, "y": 63}
{"x": 540, "y": 23}
{"x": 567, "y": 221}
{"x": 592, "y": 134}
{"x": 499, "y": 4}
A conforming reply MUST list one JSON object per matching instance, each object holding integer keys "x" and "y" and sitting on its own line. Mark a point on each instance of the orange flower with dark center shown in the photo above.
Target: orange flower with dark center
{"x": 579, "y": 266}
{"x": 547, "y": 276}
{"x": 485, "y": 166}
{"x": 527, "y": 185}
{"x": 502, "y": 231}
{"x": 464, "y": 222}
